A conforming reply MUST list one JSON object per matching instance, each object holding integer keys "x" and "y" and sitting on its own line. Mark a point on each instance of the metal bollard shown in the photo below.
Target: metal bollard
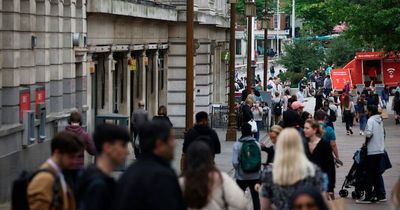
{"x": 29, "y": 128}
{"x": 42, "y": 125}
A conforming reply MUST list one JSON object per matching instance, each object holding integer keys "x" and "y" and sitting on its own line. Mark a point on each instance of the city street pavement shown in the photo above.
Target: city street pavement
{"x": 347, "y": 146}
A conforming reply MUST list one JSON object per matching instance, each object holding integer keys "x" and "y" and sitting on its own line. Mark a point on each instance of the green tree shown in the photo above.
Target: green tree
{"x": 301, "y": 55}
{"x": 341, "y": 51}
{"x": 260, "y": 8}
{"x": 372, "y": 24}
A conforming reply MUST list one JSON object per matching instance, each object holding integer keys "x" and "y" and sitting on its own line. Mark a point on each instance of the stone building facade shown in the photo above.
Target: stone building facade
{"x": 42, "y": 65}
{"x": 99, "y": 56}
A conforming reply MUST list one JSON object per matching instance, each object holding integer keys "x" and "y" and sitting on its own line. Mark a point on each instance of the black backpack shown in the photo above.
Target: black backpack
{"x": 332, "y": 115}
{"x": 19, "y": 196}
{"x": 278, "y": 108}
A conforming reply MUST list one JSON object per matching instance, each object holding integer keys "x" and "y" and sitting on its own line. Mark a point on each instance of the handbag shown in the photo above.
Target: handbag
{"x": 385, "y": 163}
{"x": 336, "y": 204}
{"x": 253, "y": 126}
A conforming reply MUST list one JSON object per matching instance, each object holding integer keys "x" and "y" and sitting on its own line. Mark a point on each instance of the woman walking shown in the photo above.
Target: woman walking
{"x": 320, "y": 152}
{"x": 361, "y": 112}
{"x": 290, "y": 172}
{"x": 268, "y": 146}
{"x": 204, "y": 186}
{"x": 348, "y": 114}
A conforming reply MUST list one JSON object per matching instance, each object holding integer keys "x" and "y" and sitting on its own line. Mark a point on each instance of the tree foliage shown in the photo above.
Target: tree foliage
{"x": 260, "y": 8}
{"x": 341, "y": 50}
{"x": 301, "y": 55}
{"x": 371, "y": 23}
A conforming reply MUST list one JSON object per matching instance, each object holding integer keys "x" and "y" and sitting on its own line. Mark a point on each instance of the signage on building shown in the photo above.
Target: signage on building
{"x": 225, "y": 56}
{"x": 91, "y": 67}
{"x": 132, "y": 63}
{"x": 24, "y": 102}
{"x": 146, "y": 60}
{"x": 40, "y": 98}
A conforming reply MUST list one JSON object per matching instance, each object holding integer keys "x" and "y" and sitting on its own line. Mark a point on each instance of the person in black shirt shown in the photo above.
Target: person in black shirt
{"x": 96, "y": 185}
{"x": 319, "y": 152}
{"x": 151, "y": 183}
{"x": 203, "y": 132}
{"x": 163, "y": 116}
{"x": 246, "y": 109}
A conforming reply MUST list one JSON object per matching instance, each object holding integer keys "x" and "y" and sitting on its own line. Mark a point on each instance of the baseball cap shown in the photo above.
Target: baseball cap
{"x": 297, "y": 104}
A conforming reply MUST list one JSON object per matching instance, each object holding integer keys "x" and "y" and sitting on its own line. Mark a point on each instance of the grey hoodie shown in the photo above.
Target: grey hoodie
{"x": 375, "y": 131}
{"x": 239, "y": 174}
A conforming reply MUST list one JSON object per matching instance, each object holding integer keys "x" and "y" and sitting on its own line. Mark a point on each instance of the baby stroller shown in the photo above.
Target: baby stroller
{"x": 356, "y": 177}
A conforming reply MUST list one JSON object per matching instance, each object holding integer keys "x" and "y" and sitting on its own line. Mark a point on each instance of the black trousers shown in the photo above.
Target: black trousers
{"x": 348, "y": 118}
{"x": 375, "y": 185}
{"x": 243, "y": 184}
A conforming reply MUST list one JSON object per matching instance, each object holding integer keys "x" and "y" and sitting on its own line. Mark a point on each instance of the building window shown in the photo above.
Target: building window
{"x": 238, "y": 46}
{"x": 275, "y": 21}
{"x": 260, "y": 47}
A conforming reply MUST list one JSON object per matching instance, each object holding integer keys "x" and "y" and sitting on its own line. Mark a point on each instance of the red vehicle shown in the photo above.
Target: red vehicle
{"x": 380, "y": 67}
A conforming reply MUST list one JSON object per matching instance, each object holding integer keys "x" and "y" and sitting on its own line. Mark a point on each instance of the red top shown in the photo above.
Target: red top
{"x": 372, "y": 72}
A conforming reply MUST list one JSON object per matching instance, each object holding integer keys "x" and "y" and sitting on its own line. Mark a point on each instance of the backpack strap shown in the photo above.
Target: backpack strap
{"x": 57, "y": 202}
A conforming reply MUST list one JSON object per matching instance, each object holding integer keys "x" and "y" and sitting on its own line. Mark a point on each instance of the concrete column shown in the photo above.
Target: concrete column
{"x": 1, "y": 57}
{"x": 11, "y": 60}
{"x": 109, "y": 64}
{"x": 82, "y": 84}
{"x": 203, "y": 77}
{"x": 155, "y": 72}
{"x": 142, "y": 80}
{"x": 89, "y": 91}
{"x": 42, "y": 52}
{"x": 56, "y": 57}
{"x": 125, "y": 105}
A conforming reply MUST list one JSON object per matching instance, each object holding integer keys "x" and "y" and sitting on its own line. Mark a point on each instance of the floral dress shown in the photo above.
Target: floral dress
{"x": 280, "y": 196}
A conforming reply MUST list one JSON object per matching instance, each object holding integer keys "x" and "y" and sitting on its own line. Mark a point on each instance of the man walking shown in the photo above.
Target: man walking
{"x": 201, "y": 131}
{"x": 150, "y": 183}
{"x": 97, "y": 186}
{"x": 246, "y": 160}
{"x": 65, "y": 150}
{"x": 139, "y": 117}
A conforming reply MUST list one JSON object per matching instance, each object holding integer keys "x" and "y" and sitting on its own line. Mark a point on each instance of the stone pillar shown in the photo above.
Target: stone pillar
{"x": 11, "y": 61}
{"x": 203, "y": 77}
{"x": 42, "y": 54}
{"x": 1, "y": 56}
{"x": 81, "y": 84}
{"x": 125, "y": 105}
{"x": 155, "y": 73}
{"x": 142, "y": 79}
{"x": 109, "y": 64}
{"x": 56, "y": 57}
{"x": 88, "y": 78}
{"x": 176, "y": 84}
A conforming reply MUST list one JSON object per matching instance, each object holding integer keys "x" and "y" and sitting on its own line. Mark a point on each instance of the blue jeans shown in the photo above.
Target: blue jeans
{"x": 327, "y": 91}
{"x": 259, "y": 127}
{"x": 363, "y": 121}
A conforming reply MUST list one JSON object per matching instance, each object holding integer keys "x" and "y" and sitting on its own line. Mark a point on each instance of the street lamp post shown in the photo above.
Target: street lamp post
{"x": 231, "y": 132}
{"x": 265, "y": 26}
{"x": 293, "y": 17}
{"x": 250, "y": 12}
{"x": 189, "y": 64}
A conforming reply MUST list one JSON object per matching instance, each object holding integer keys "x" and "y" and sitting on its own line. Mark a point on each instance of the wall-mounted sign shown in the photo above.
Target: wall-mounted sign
{"x": 132, "y": 63}
{"x": 225, "y": 56}
{"x": 40, "y": 98}
{"x": 24, "y": 102}
{"x": 91, "y": 68}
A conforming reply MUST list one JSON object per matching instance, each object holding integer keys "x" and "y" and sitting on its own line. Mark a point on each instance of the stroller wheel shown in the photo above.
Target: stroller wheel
{"x": 357, "y": 194}
{"x": 343, "y": 193}
{"x": 354, "y": 195}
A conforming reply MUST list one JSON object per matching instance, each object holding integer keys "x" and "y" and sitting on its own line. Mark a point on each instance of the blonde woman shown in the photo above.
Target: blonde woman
{"x": 291, "y": 171}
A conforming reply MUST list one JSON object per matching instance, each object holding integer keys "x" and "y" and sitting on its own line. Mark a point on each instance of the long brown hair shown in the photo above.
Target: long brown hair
{"x": 199, "y": 175}
{"x": 346, "y": 101}
{"x": 316, "y": 126}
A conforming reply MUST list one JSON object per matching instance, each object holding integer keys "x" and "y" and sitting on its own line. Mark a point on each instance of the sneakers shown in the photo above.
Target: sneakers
{"x": 364, "y": 201}
{"x": 351, "y": 131}
{"x": 348, "y": 133}
{"x": 361, "y": 133}
{"x": 381, "y": 199}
